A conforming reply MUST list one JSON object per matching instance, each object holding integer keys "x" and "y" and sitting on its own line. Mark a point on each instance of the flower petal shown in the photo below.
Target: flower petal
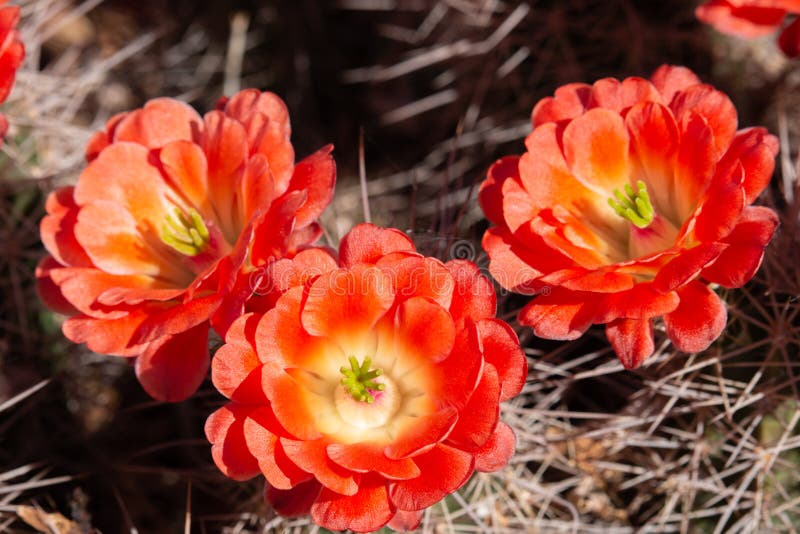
{"x": 509, "y": 263}
{"x": 444, "y": 469}
{"x": 619, "y": 96}
{"x": 739, "y": 18}
{"x": 500, "y": 348}
{"x": 632, "y": 340}
{"x": 417, "y": 276}
{"x": 496, "y": 452}
{"x": 83, "y": 287}
{"x": 224, "y": 144}
{"x": 133, "y": 296}
{"x": 694, "y": 165}
{"x": 460, "y": 372}
{"x": 48, "y": 291}
{"x": 283, "y": 274}
{"x": 405, "y": 521}
{"x": 560, "y": 314}
{"x": 272, "y": 229}
{"x": 366, "y": 511}
{"x": 478, "y": 418}
{"x": 111, "y": 237}
{"x": 722, "y": 206}
{"x": 288, "y": 404}
{"x": 473, "y": 297}
{"x": 670, "y": 79}
{"x": 364, "y": 457}
{"x": 347, "y": 302}
{"x": 640, "y": 302}
{"x": 281, "y": 338}
{"x": 262, "y": 433}
{"x": 490, "y": 194}
{"x": 518, "y": 205}
{"x": 423, "y": 329}
{"x": 315, "y": 174}
{"x": 177, "y": 318}
{"x": 569, "y": 235}
{"x": 99, "y": 140}
{"x": 596, "y": 151}
{"x": 686, "y": 265}
{"x": 294, "y": 502}
{"x": 366, "y": 243}
{"x": 423, "y": 435}
{"x": 545, "y": 176}
{"x": 185, "y": 166}
{"x": 266, "y": 120}
{"x": 256, "y": 188}
{"x": 698, "y": 320}
{"x": 301, "y": 237}
{"x": 755, "y": 149}
{"x": 105, "y": 336}
{"x": 739, "y": 262}
{"x": 173, "y": 369}
{"x": 654, "y": 139}
{"x": 568, "y": 102}
{"x": 57, "y": 229}
{"x": 311, "y": 456}
{"x": 224, "y": 429}
{"x": 600, "y": 281}
{"x": 235, "y": 368}
{"x": 716, "y": 108}
{"x": 160, "y": 122}
{"x": 13, "y": 51}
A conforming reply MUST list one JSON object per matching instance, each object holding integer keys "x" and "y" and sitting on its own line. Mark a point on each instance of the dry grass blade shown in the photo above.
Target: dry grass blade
{"x": 47, "y": 523}
{"x": 6, "y": 489}
{"x": 362, "y": 178}
{"x": 187, "y": 527}
{"x": 237, "y": 44}
{"x": 19, "y": 397}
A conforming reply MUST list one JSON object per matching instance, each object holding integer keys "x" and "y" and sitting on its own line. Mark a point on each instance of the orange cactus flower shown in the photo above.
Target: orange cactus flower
{"x": 371, "y": 389}
{"x": 157, "y": 239}
{"x": 754, "y": 18}
{"x": 631, "y": 198}
{"x": 12, "y": 52}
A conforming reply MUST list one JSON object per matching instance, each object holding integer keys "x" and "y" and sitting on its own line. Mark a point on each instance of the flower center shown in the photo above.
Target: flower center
{"x": 366, "y": 398}
{"x": 635, "y": 207}
{"x": 184, "y": 233}
{"x": 359, "y": 380}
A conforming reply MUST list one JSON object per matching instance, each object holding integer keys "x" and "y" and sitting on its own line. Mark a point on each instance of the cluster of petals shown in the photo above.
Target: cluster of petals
{"x": 155, "y": 242}
{"x": 755, "y": 18}
{"x": 12, "y": 52}
{"x": 442, "y": 362}
{"x": 632, "y": 198}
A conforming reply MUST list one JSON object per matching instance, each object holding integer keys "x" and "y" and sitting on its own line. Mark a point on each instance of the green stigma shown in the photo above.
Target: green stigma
{"x": 359, "y": 379}
{"x": 636, "y": 207}
{"x": 185, "y": 233}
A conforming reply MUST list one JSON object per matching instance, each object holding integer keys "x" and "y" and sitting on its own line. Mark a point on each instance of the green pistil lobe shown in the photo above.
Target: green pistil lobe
{"x": 186, "y": 234}
{"x": 636, "y": 207}
{"x": 359, "y": 380}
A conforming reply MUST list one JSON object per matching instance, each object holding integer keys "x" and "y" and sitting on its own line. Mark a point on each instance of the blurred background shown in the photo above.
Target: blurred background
{"x": 424, "y": 95}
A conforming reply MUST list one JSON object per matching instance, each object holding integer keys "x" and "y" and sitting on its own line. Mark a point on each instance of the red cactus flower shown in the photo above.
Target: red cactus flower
{"x": 632, "y": 197}
{"x": 157, "y": 239}
{"x": 754, "y": 18}
{"x": 12, "y": 52}
{"x": 370, "y": 390}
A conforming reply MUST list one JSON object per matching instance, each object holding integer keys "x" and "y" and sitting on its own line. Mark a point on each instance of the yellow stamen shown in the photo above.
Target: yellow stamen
{"x": 359, "y": 380}
{"x": 184, "y": 233}
{"x": 636, "y": 207}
